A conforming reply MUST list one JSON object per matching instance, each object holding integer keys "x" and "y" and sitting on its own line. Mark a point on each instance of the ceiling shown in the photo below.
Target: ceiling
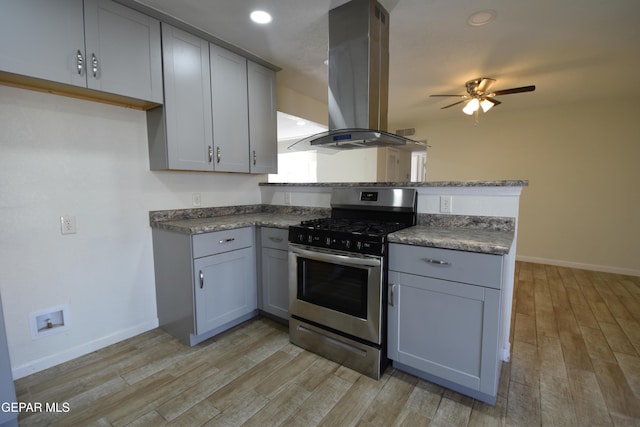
{"x": 572, "y": 50}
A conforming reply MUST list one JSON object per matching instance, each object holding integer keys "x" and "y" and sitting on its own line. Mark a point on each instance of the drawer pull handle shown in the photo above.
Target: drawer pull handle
{"x": 275, "y": 239}
{"x": 210, "y": 154}
{"x": 201, "y": 279}
{"x": 79, "y": 62}
{"x": 436, "y": 261}
{"x": 229, "y": 240}
{"x": 94, "y": 65}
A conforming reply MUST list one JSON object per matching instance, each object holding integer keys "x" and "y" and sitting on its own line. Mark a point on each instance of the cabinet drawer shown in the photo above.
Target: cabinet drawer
{"x": 459, "y": 266}
{"x": 276, "y": 238}
{"x": 221, "y": 241}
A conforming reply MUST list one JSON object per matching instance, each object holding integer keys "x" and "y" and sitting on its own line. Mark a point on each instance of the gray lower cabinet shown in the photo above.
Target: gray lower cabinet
{"x": 274, "y": 272}
{"x": 219, "y": 111}
{"x": 444, "y": 317}
{"x": 95, "y": 44}
{"x": 205, "y": 283}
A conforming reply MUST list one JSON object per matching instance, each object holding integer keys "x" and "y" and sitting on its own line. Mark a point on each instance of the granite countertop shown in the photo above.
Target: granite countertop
{"x": 489, "y": 241}
{"x": 228, "y": 222}
{"x": 411, "y": 184}
{"x": 492, "y": 235}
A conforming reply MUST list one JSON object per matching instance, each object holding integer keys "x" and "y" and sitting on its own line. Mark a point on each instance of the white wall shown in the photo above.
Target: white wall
{"x": 63, "y": 156}
{"x": 348, "y": 166}
{"x": 581, "y": 207}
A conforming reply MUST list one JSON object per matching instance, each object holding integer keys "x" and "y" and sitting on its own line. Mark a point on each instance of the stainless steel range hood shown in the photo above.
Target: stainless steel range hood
{"x": 358, "y": 80}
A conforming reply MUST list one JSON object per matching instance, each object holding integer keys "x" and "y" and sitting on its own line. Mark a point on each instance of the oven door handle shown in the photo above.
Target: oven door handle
{"x": 341, "y": 259}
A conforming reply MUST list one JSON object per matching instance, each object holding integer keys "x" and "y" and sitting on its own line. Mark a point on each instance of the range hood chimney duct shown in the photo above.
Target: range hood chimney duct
{"x": 358, "y": 66}
{"x": 358, "y": 80}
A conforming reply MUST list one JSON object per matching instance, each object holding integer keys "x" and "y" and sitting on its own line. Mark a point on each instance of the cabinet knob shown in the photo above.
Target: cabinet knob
{"x": 79, "y": 62}
{"x": 201, "y": 279}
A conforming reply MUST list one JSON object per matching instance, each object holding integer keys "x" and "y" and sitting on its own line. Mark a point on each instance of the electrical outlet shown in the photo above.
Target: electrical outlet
{"x": 445, "y": 204}
{"x": 68, "y": 224}
{"x": 195, "y": 199}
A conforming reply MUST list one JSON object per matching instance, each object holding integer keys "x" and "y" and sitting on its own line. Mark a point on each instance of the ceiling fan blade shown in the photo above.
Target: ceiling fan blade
{"x": 514, "y": 90}
{"x": 455, "y": 103}
{"x": 459, "y": 96}
{"x": 493, "y": 101}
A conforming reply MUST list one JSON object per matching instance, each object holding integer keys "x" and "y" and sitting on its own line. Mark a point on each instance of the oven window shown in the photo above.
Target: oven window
{"x": 333, "y": 286}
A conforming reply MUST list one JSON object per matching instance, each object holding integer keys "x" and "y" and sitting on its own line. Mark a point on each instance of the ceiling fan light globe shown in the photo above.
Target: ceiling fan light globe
{"x": 486, "y": 105}
{"x": 471, "y": 106}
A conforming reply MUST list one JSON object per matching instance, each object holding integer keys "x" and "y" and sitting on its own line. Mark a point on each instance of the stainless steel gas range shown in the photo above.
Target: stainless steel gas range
{"x": 337, "y": 276}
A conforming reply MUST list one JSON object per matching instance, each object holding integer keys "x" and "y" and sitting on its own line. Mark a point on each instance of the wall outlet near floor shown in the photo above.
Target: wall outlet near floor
{"x": 68, "y": 224}
{"x": 445, "y": 204}
{"x": 196, "y": 200}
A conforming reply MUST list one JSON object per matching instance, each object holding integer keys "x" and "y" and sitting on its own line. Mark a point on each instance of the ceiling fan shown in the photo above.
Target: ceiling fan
{"x": 479, "y": 96}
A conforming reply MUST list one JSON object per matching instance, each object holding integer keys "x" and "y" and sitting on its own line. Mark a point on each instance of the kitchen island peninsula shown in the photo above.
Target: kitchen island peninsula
{"x": 460, "y": 255}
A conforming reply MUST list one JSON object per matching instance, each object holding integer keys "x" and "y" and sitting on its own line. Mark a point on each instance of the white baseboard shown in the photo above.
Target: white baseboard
{"x": 581, "y": 266}
{"x": 86, "y": 348}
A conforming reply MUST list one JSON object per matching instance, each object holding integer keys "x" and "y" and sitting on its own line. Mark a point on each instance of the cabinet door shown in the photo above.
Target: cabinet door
{"x": 187, "y": 106}
{"x": 224, "y": 288}
{"x": 275, "y": 282}
{"x": 263, "y": 141}
{"x": 230, "y": 111}
{"x": 42, "y": 39}
{"x": 446, "y": 329}
{"x": 123, "y": 51}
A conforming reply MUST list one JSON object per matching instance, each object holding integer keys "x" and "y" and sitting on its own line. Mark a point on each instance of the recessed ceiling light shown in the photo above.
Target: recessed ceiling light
{"x": 260, "y": 17}
{"x": 482, "y": 17}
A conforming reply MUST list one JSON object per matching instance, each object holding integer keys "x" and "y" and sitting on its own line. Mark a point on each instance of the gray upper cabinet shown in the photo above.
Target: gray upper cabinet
{"x": 219, "y": 111}
{"x": 180, "y": 132}
{"x": 262, "y": 119}
{"x": 123, "y": 51}
{"x": 95, "y": 44}
{"x": 230, "y": 113}
{"x": 43, "y": 39}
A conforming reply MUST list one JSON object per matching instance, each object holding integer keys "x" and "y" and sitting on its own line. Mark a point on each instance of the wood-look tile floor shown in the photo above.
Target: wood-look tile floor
{"x": 575, "y": 362}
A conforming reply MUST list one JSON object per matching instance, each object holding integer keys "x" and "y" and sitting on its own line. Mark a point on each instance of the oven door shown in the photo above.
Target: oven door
{"x": 338, "y": 290}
